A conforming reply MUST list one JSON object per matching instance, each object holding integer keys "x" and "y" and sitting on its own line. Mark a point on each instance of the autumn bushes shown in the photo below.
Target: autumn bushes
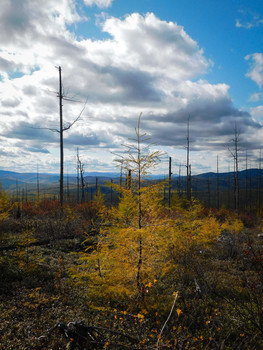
{"x": 125, "y": 265}
{"x": 129, "y": 262}
{"x": 137, "y": 266}
{"x": 177, "y": 276}
{"x": 202, "y": 256}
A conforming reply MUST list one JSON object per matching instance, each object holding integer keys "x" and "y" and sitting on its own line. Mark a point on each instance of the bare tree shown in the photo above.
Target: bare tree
{"x": 77, "y": 177}
{"x": 170, "y": 182}
{"x": 246, "y": 188}
{"x": 179, "y": 180}
{"x": 62, "y": 128}
{"x": 128, "y": 179}
{"x": 217, "y": 184}
{"x": 235, "y": 155}
{"x": 259, "y": 183}
{"x": 81, "y": 173}
{"x": 38, "y": 190}
{"x": 188, "y": 165}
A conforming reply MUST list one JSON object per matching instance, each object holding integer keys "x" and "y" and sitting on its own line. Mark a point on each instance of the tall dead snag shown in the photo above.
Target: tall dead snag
{"x": 250, "y": 186}
{"x": 259, "y": 183}
{"x": 235, "y": 155}
{"x": 246, "y": 186}
{"x": 217, "y": 185}
{"x": 170, "y": 182}
{"x": 61, "y": 130}
{"x": 63, "y": 127}
{"x": 77, "y": 177}
{"x": 81, "y": 174}
{"x": 179, "y": 184}
{"x": 128, "y": 180}
{"x": 188, "y": 165}
{"x": 229, "y": 188}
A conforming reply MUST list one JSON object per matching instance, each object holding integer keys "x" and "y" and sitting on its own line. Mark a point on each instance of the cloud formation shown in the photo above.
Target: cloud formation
{"x": 256, "y": 68}
{"x": 248, "y": 20}
{"x": 145, "y": 65}
{"x": 155, "y": 46}
{"x": 99, "y": 3}
{"x": 257, "y": 112}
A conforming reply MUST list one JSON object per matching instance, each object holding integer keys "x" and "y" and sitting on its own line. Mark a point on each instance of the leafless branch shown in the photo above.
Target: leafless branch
{"x": 78, "y": 118}
{"x": 66, "y": 127}
{"x": 50, "y": 129}
{"x": 170, "y": 314}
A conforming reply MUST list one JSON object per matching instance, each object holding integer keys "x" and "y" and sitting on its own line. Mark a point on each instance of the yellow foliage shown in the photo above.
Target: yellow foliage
{"x": 37, "y": 298}
{"x": 233, "y": 225}
{"x": 179, "y": 312}
{"x": 69, "y": 213}
{"x": 5, "y": 205}
{"x": 110, "y": 271}
{"x": 27, "y": 257}
{"x": 125, "y": 214}
{"x": 142, "y": 241}
{"x": 209, "y": 231}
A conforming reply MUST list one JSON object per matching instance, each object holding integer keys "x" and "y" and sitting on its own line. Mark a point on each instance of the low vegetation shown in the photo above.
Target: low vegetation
{"x": 139, "y": 274}
{"x": 186, "y": 278}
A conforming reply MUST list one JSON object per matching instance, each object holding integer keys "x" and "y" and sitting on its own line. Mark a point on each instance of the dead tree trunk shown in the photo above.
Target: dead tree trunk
{"x": 61, "y": 182}
{"x": 170, "y": 182}
{"x": 188, "y": 166}
{"x": 259, "y": 184}
{"x": 234, "y": 154}
{"x": 217, "y": 185}
{"x": 81, "y": 173}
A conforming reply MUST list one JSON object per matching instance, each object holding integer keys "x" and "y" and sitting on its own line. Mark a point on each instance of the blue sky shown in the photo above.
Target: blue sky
{"x": 227, "y": 31}
{"x": 167, "y": 59}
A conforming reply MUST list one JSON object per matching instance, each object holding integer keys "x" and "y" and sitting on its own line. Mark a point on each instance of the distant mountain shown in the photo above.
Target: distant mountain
{"x": 247, "y": 178}
{"x": 10, "y": 179}
{"x": 241, "y": 174}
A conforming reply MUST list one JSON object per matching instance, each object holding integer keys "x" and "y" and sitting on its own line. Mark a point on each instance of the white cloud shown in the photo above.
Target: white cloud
{"x": 257, "y": 112}
{"x": 29, "y": 30}
{"x": 146, "y": 65}
{"x": 249, "y": 19}
{"x": 249, "y": 25}
{"x": 155, "y": 46}
{"x": 24, "y": 23}
{"x": 256, "y": 68}
{"x": 255, "y": 97}
{"x": 99, "y": 3}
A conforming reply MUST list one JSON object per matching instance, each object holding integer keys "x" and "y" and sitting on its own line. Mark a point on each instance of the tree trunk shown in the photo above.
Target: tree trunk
{"x": 61, "y": 143}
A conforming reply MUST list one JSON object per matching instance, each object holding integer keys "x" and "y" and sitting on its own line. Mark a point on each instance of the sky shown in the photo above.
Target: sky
{"x": 169, "y": 60}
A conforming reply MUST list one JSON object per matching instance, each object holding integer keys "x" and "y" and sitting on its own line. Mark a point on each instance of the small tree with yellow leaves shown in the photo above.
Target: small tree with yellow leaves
{"x": 141, "y": 243}
{"x": 139, "y": 159}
